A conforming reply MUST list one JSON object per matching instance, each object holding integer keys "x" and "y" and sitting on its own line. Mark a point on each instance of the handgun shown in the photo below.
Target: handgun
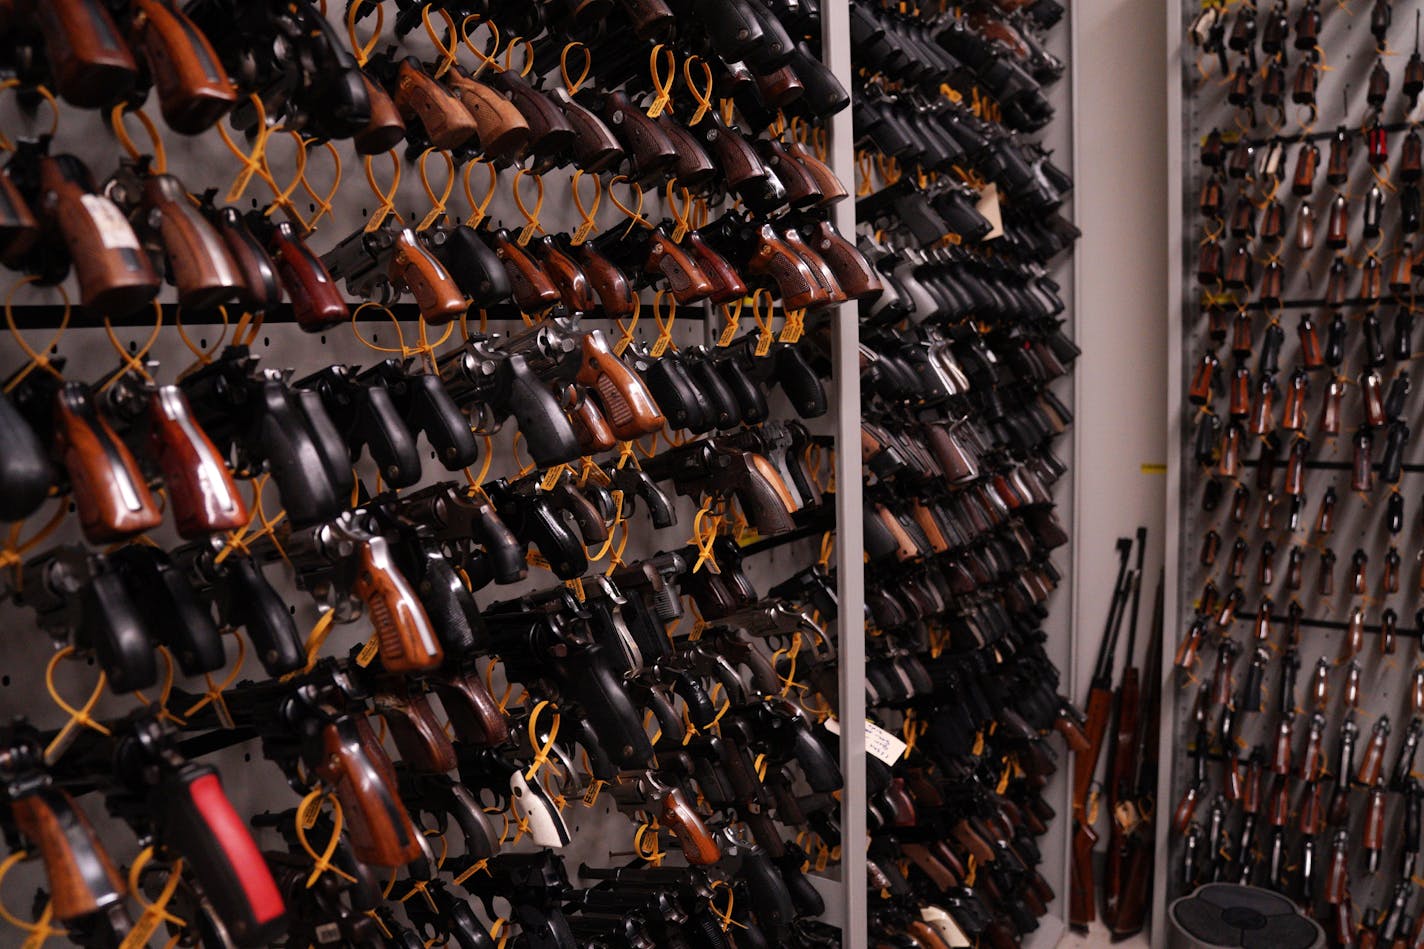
{"x": 709, "y": 467}
{"x": 194, "y": 90}
{"x": 389, "y": 261}
{"x": 84, "y": 884}
{"x": 317, "y": 303}
{"x": 91, "y": 64}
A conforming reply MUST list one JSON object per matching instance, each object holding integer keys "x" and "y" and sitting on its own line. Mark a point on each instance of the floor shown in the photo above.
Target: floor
{"x": 1098, "y": 937}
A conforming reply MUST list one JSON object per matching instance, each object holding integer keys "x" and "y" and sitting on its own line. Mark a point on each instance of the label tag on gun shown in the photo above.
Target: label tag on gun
{"x": 989, "y": 207}
{"x": 590, "y": 797}
{"x": 114, "y": 230}
{"x": 368, "y": 652}
{"x": 878, "y": 741}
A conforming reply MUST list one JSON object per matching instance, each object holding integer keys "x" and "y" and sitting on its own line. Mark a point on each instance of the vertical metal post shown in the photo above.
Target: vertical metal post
{"x": 850, "y": 566}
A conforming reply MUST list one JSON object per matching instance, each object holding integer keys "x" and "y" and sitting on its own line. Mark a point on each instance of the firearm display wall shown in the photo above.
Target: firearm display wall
{"x": 1291, "y": 395}
{"x": 820, "y": 660}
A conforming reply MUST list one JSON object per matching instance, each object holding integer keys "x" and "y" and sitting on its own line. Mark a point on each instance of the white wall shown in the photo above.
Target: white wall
{"x": 1121, "y": 171}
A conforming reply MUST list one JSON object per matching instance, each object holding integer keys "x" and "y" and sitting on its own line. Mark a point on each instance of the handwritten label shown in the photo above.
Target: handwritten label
{"x": 878, "y": 741}
{"x": 989, "y": 207}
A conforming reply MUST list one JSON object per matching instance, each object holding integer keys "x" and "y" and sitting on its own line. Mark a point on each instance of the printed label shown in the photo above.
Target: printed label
{"x": 114, "y": 230}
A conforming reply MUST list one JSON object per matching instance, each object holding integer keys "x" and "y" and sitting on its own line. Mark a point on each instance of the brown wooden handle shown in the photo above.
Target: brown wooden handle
{"x": 938, "y": 873}
{"x": 801, "y": 187}
{"x": 727, "y": 284}
{"x": 693, "y": 168}
{"x": 795, "y": 284}
{"x": 407, "y": 640}
{"x": 91, "y": 64}
{"x": 474, "y": 715}
{"x": 447, "y": 123}
{"x": 110, "y": 493}
{"x": 418, "y": 734}
{"x": 82, "y": 878}
{"x": 624, "y": 397}
{"x": 831, "y": 291}
{"x": 113, "y": 271}
{"x": 533, "y": 290}
{"x": 415, "y": 269}
{"x": 260, "y": 287}
{"x": 925, "y": 518}
{"x": 830, "y": 186}
{"x": 650, "y": 151}
{"x": 1081, "y": 889}
{"x": 698, "y": 844}
{"x": 590, "y": 427}
{"x": 385, "y": 129}
{"x": 194, "y": 90}
{"x": 684, "y": 278}
{"x": 905, "y": 544}
{"x": 201, "y": 490}
{"x": 317, "y": 303}
{"x": 503, "y": 130}
{"x": 615, "y": 293}
{"x": 856, "y": 277}
{"x": 378, "y": 826}
{"x": 198, "y": 261}
{"x": 735, "y": 157}
{"x": 575, "y": 289}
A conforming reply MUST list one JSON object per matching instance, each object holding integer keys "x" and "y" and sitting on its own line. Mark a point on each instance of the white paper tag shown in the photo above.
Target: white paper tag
{"x": 114, "y": 230}
{"x": 878, "y": 741}
{"x": 989, "y": 207}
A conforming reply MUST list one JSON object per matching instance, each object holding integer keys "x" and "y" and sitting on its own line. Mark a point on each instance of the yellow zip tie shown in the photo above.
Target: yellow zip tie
{"x": 573, "y": 85}
{"x": 159, "y": 153}
{"x": 486, "y": 59}
{"x": 528, "y": 55}
{"x": 155, "y": 912}
{"x": 39, "y": 930}
{"x": 5, "y": 143}
{"x": 681, "y": 215}
{"x": 361, "y": 50}
{"x": 202, "y": 357}
{"x": 307, "y": 813}
{"x": 214, "y": 693}
{"x": 78, "y": 717}
{"x": 704, "y": 534}
{"x": 133, "y": 361}
{"x": 701, "y": 95}
{"x": 587, "y": 216}
{"x": 447, "y": 50}
{"x": 662, "y": 82}
{"x": 664, "y": 340}
{"x": 386, "y": 201}
{"x": 764, "y": 312}
{"x": 635, "y": 215}
{"x": 39, "y": 359}
{"x": 626, "y": 338}
{"x": 315, "y": 640}
{"x": 531, "y": 217}
{"x": 479, "y": 208}
{"x": 437, "y": 202}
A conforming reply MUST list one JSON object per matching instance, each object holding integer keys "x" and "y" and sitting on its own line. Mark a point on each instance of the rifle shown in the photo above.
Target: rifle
{"x": 1133, "y": 855}
{"x": 1085, "y": 763}
{"x": 1122, "y": 763}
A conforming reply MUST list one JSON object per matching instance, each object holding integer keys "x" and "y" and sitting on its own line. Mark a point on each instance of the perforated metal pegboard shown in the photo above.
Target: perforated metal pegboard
{"x": 1360, "y": 521}
{"x": 601, "y": 835}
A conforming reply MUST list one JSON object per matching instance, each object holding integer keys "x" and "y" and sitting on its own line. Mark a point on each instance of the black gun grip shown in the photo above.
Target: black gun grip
{"x": 699, "y": 704}
{"x": 428, "y": 408}
{"x": 270, "y": 626}
{"x": 770, "y": 899}
{"x": 283, "y": 440}
{"x": 723, "y": 410}
{"x": 681, "y": 401}
{"x": 448, "y": 603}
{"x": 615, "y": 720}
{"x": 381, "y": 429}
{"x": 542, "y": 526}
{"x": 171, "y": 608}
{"x": 113, "y": 629}
{"x": 326, "y": 438}
{"x": 25, "y": 473}
{"x": 546, "y": 429}
{"x": 751, "y": 401}
{"x": 800, "y": 383}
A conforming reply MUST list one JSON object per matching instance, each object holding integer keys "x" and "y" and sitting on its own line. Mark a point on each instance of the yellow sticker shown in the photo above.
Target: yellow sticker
{"x": 590, "y": 797}
{"x": 368, "y": 652}
{"x": 310, "y": 811}
{"x": 534, "y": 559}
{"x": 581, "y": 235}
{"x": 764, "y": 342}
{"x": 527, "y": 233}
{"x": 1153, "y": 469}
{"x": 552, "y": 476}
{"x": 660, "y": 347}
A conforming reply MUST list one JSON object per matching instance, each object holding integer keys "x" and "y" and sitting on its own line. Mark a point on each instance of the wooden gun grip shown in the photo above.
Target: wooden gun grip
{"x": 590, "y": 427}
{"x": 193, "y": 88}
{"x": 201, "y": 268}
{"x": 502, "y": 129}
{"x": 474, "y": 715}
{"x": 110, "y": 493}
{"x": 532, "y": 289}
{"x": 568, "y": 277}
{"x": 406, "y": 638}
{"x": 380, "y": 829}
{"x": 113, "y": 271}
{"x": 624, "y": 398}
{"x": 856, "y": 277}
{"x": 735, "y": 157}
{"x": 317, "y": 303}
{"x": 200, "y": 487}
{"x": 615, "y": 293}
{"x": 650, "y": 152}
{"x": 385, "y": 129}
{"x": 447, "y": 123}
{"x": 698, "y": 845}
{"x": 830, "y": 186}
{"x": 685, "y": 279}
{"x": 415, "y": 269}
{"x": 795, "y": 284}
{"x": 82, "y": 878}
{"x": 727, "y": 284}
{"x": 765, "y": 499}
{"x": 91, "y": 64}
{"x": 693, "y": 167}
{"x": 418, "y": 734}
{"x": 800, "y": 184}
{"x": 260, "y": 287}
